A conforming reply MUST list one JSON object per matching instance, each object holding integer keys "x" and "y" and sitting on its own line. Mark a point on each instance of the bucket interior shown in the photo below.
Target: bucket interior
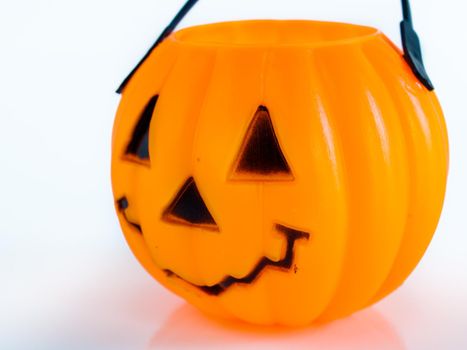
{"x": 274, "y": 33}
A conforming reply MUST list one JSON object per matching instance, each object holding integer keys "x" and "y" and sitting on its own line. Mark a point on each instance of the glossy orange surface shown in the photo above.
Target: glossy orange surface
{"x": 365, "y": 143}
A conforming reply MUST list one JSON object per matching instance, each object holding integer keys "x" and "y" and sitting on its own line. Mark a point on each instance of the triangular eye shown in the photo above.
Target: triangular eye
{"x": 260, "y": 157}
{"x": 139, "y": 144}
{"x": 188, "y": 208}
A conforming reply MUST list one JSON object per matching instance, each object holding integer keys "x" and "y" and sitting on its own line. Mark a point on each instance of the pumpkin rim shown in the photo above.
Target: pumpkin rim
{"x": 282, "y": 33}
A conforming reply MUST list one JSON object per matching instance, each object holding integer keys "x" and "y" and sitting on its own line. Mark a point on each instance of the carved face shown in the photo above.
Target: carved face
{"x": 260, "y": 159}
{"x": 274, "y": 183}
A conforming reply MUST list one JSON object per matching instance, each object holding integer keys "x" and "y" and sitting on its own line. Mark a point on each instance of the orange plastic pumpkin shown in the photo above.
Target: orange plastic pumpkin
{"x": 279, "y": 172}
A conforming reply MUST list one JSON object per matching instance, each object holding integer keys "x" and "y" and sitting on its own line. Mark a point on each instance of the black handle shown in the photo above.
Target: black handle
{"x": 410, "y": 44}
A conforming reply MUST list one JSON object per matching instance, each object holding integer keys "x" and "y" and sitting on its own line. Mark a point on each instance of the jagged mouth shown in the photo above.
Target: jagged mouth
{"x": 284, "y": 264}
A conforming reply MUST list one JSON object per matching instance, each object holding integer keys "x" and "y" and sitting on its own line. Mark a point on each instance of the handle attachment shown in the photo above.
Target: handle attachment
{"x": 410, "y": 44}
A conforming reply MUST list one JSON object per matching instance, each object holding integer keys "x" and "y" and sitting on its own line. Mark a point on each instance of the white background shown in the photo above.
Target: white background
{"x": 68, "y": 280}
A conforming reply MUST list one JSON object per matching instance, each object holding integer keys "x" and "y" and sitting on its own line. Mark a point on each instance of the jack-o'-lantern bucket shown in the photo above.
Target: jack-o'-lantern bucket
{"x": 279, "y": 172}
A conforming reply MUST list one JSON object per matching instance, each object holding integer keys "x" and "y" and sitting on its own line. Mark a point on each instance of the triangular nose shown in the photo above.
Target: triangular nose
{"x": 261, "y": 157}
{"x": 189, "y": 208}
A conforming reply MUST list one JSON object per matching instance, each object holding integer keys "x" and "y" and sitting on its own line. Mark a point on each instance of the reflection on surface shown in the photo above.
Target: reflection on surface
{"x": 132, "y": 312}
{"x": 188, "y": 328}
